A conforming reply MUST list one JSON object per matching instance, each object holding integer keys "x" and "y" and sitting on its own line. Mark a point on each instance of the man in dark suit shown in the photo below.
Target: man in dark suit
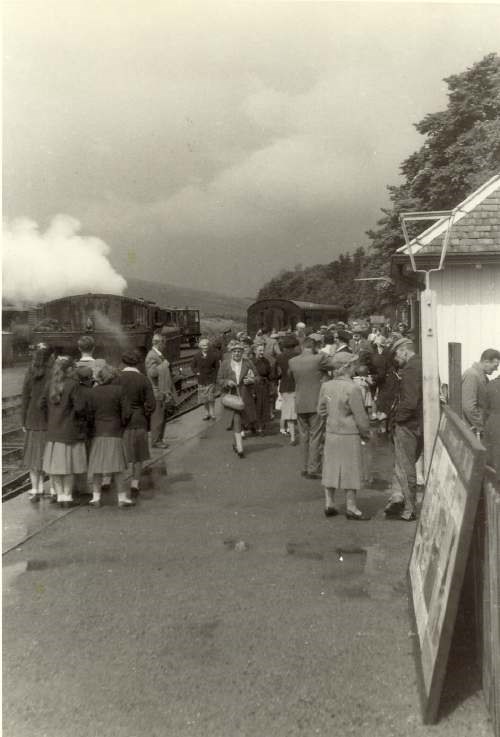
{"x": 309, "y": 370}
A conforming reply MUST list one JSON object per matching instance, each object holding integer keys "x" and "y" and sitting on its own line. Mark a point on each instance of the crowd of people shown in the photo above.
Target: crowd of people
{"x": 88, "y": 422}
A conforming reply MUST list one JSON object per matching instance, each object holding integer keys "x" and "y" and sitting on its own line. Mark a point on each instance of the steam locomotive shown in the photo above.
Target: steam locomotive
{"x": 115, "y": 323}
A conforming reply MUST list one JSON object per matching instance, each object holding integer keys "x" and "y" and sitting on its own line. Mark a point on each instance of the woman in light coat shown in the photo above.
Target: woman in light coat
{"x": 237, "y": 375}
{"x": 341, "y": 403}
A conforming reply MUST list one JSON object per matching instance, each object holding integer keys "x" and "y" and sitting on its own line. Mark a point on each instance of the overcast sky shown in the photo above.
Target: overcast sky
{"x": 213, "y": 144}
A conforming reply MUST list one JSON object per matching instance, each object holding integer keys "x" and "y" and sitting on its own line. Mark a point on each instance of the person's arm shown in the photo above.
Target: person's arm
{"x": 410, "y": 394}
{"x": 359, "y": 413}
{"x": 152, "y": 365}
{"x": 322, "y": 408}
{"x": 149, "y": 399}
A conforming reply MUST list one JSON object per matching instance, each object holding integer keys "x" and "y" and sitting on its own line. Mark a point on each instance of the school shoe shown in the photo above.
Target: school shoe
{"x": 35, "y": 497}
{"x": 207, "y": 418}
{"x": 126, "y": 504}
{"x": 95, "y": 503}
{"x": 160, "y": 445}
{"x": 307, "y": 475}
{"x": 69, "y": 504}
{"x": 331, "y": 512}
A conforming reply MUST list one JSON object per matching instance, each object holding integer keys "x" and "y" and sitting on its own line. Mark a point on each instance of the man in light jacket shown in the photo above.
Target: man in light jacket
{"x": 309, "y": 371}
{"x": 158, "y": 372}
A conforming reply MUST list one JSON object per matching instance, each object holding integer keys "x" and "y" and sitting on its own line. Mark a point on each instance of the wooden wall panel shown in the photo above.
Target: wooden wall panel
{"x": 468, "y": 312}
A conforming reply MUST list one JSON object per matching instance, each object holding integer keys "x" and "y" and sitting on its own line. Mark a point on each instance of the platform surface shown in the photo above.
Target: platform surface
{"x": 224, "y": 605}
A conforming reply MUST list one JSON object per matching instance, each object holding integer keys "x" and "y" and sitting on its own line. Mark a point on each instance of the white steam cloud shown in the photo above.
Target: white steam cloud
{"x": 59, "y": 262}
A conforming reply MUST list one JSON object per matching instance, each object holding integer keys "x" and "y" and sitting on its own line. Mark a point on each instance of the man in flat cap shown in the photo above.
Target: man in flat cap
{"x": 407, "y": 419}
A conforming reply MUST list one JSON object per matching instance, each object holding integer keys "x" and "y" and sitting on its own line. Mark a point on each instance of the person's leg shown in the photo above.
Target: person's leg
{"x": 316, "y": 440}
{"x": 96, "y": 490}
{"x": 330, "y": 508}
{"x": 352, "y": 509}
{"x": 34, "y": 494}
{"x": 56, "y": 484}
{"x": 211, "y": 409}
{"x": 69, "y": 482}
{"x": 238, "y": 435}
{"x": 158, "y": 423}
{"x": 404, "y": 483}
{"x": 291, "y": 430}
{"x": 303, "y": 426}
{"x": 136, "y": 475}
{"x": 123, "y": 499}
{"x": 206, "y": 407}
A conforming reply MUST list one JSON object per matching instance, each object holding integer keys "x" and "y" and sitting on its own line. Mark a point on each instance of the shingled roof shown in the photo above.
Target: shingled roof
{"x": 475, "y": 231}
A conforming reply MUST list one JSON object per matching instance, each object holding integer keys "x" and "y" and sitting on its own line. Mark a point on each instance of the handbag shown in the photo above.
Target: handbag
{"x": 279, "y": 403}
{"x": 233, "y": 401}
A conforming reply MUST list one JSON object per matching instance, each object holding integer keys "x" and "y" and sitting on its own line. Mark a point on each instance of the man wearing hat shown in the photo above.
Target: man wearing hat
{"x": 407, "y": 420}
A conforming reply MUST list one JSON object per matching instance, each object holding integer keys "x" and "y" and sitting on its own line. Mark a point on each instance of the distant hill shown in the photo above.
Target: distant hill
{"x": 210, "y": 304}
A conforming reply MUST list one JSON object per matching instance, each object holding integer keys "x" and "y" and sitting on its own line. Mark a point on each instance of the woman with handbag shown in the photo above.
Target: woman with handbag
{"x": 236, "y": 378}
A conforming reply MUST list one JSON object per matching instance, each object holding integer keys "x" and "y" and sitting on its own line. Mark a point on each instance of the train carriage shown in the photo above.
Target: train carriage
{"x": 282, "y": 315}
{"x": 115, "y": 323}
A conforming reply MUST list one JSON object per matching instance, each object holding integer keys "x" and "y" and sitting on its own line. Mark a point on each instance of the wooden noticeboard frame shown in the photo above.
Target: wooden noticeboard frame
{"x": 440, "y": 551}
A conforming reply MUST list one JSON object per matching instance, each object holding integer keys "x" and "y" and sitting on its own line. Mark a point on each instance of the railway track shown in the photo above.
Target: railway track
{"x": 16, "y": 480}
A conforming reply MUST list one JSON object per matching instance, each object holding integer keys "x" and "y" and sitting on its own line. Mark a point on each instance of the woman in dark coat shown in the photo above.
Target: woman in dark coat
{"x": 110, "y": 413}
{"x": 492, "y": 424}
{"x": 34, "y": 420}
{"x": 64, "y": 405}
{"x": 341, "y": 403}
{"x": 138, "y": 391}
{"x": 237, "y": 376}
{"x": 262, "y": 387}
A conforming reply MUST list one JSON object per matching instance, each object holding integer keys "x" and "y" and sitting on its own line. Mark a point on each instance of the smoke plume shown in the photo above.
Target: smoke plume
{"x": 38, "y": 267}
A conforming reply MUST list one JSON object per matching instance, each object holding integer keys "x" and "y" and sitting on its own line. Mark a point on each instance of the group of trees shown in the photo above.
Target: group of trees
{"x": 461, "y": 151}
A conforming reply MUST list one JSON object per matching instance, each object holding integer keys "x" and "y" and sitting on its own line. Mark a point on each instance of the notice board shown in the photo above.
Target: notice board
{"x": 440, "y": 551}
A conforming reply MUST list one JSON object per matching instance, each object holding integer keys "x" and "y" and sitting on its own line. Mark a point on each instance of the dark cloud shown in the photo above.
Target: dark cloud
{"x": 212, "y": 145}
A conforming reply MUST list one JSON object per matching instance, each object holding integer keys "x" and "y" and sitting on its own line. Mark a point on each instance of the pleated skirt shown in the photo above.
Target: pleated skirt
{"x": 63, "y": 458}
{"x": 136, "y": 445}
{"x": 206, "y": 393}
{"x": 107, "y": 455}
{"x": 34, "y": 447}
{"x": 342, "y": 462}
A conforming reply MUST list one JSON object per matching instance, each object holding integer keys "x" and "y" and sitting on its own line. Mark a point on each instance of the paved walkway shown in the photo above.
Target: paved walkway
{"x": 224, "y": 605}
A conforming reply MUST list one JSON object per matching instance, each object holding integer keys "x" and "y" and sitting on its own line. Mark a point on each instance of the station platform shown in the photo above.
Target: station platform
{"x": 225, "y": 604}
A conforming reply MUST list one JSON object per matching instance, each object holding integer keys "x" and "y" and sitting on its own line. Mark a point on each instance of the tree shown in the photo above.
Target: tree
{"x": 461, "y": 151}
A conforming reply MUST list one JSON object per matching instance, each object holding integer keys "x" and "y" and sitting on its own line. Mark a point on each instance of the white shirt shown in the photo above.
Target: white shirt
{"x": 236, "y": 367}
